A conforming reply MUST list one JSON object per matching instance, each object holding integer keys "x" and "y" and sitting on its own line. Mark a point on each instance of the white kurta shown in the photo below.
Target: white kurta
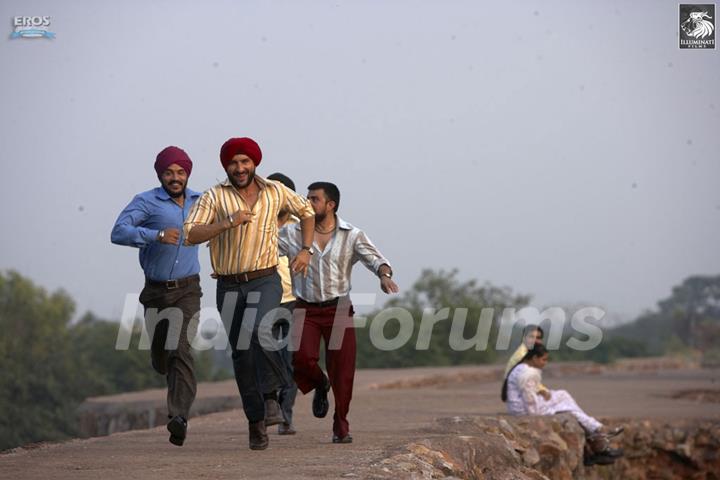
{"x": 522, "y": 398}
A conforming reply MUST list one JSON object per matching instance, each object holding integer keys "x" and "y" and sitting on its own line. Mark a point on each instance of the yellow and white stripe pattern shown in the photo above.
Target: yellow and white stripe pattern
{"x": 252, "y": 246}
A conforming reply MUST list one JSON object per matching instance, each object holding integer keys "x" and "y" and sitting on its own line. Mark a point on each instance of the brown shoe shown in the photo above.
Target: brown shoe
{"x": 272, "y": 413}
{"x": 286, "y": 429}
{"x": 258, "y": 435}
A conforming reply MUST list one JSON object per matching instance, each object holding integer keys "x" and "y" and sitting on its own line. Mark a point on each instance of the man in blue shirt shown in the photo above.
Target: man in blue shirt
{"x": 153, "y": 222}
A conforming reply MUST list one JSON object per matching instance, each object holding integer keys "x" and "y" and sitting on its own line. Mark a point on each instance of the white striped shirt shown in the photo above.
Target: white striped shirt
{"x": 329, "y": 270}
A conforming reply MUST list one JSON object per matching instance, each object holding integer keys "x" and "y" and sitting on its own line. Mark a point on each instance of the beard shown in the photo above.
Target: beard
{"x": 172, "y": 193}
{"x": 236, "y": 183}
{"x": 319, "y": 217}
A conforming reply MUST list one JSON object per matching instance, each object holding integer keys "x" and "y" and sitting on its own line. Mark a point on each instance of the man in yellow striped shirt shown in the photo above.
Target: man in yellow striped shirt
{"x": 239, "y": 219}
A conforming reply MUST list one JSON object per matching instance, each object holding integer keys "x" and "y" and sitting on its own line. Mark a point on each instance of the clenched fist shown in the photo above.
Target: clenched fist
{"x": 171, "y": 236}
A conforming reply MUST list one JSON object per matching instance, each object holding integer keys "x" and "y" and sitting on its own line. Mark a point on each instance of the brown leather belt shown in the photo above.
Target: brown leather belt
{"x": 327, "y": 303}
{"x": 247, "y": 276}
{"x": 173, "y": 284}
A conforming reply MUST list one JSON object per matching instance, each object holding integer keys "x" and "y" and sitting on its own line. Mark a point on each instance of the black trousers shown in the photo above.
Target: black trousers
{"x": 171, "y": 320}
{"x": 257, "y": 363}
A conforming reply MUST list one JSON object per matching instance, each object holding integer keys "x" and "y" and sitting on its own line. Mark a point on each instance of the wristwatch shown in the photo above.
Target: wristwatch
{"x": 388, "y": 275}
{"x": 161, "y": 235}
{"x": 310, "y": 249}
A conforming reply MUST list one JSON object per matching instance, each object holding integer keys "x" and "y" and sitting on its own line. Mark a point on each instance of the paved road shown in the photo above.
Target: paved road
{"x": 381, "y": 419}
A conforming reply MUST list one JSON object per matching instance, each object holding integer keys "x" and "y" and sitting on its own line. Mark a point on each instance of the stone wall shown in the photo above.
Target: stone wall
{"x": 98, "y": 417}
{"x": 552, "y": 447}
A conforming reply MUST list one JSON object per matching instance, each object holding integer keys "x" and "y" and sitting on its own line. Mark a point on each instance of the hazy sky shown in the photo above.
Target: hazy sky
{"x": 566, "y": 149}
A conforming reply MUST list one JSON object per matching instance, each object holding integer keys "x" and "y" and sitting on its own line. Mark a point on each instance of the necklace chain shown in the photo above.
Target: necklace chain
{"x": 324, "y": 233}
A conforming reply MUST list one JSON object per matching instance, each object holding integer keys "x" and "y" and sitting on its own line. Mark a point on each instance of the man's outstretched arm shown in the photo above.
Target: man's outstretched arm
{"x": 371, "y": 257}
{"x": 128, "y": 230}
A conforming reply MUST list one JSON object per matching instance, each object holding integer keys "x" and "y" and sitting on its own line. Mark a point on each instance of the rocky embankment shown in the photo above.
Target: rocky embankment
{"x": 552, "y": 448}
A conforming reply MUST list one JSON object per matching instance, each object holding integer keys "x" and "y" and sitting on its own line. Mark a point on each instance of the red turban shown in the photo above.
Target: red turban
{"x": 236, "y": 146}
{"x": 171, "y": 155}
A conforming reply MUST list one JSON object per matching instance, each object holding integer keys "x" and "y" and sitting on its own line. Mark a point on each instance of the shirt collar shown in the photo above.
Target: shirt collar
{"x": 262, "y": 183}
{"x": 342, "y": 224}
{"x": 163, "y": 195}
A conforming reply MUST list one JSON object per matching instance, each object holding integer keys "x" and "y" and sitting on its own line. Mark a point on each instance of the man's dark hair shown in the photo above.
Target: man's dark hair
{"x": 285, "y": 180}
{"x": 331, "y": 191}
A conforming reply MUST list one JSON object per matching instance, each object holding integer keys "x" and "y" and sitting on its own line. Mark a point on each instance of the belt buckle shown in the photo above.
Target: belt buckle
{"x": 172, "y": 284}
{"x": 244, "y": 277}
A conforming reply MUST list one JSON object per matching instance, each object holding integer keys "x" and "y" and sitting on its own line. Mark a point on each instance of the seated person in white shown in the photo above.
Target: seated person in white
{"x": 532, "y": 334}
{"x": 521, "y": 391}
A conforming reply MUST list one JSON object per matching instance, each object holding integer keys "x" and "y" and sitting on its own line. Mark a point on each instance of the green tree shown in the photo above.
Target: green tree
{"x": 689, "y": 316}
{"x": 49, "y": 365}
{"x": 39, "y": 387}
{"x": 112, "y": 371}
{"x": 436, "y": 290}
{"x": 107, "y": 370}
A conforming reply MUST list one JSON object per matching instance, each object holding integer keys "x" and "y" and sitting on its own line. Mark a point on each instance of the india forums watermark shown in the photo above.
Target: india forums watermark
{"x": 209, "y": 328}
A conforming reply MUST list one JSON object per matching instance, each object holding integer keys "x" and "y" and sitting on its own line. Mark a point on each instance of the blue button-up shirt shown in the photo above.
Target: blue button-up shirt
{"x": 139, "y": 224}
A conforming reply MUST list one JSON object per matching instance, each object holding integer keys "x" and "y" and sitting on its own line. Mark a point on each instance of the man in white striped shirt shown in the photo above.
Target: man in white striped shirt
{"x": 323, "y": 298}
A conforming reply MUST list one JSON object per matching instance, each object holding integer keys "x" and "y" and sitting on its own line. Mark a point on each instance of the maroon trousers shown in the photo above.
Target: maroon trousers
{"x": 334, "y": 325}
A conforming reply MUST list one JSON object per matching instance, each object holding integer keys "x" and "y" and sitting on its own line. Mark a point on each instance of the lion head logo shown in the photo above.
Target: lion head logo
{"x": 696, "y": 25}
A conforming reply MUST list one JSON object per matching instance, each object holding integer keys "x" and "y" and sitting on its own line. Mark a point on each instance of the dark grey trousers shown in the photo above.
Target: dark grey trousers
{"x": 171, "y": 329}
{"x": 258, "y": 369}
{"x": 287, "y": 394}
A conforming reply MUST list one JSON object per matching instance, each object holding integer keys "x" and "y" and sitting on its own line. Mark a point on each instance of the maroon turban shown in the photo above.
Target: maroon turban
{"x": 236, "y": 146}
{"x": 171, "y": 155}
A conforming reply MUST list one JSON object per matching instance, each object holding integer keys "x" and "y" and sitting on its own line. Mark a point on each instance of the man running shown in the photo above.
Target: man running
{"x": 153, "y": 222}
{"x": 323, "y": 297}
{"x": 239, "y": 219}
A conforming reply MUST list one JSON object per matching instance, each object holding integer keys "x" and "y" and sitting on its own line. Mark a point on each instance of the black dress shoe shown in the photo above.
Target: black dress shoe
{"x": 178, "y": 430}
{"x": 613, "y": 452}
{"x": 258, "y": 435}
{"x": 273, "y": 416}
{"x": 320, "y": 405}
{"x": 346, "y": 439}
